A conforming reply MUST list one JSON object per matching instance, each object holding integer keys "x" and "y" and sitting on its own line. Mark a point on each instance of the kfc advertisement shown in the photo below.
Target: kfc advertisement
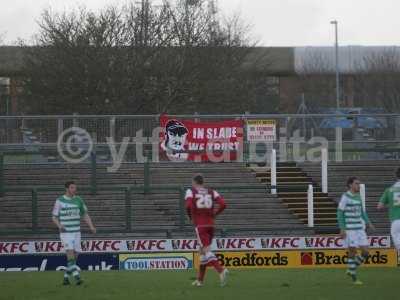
{"x": 188, "y": 245}
{"x": 187, "y": 140}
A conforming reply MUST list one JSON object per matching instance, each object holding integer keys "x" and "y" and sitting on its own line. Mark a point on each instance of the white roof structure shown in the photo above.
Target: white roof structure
{"x": 352, "y": 59}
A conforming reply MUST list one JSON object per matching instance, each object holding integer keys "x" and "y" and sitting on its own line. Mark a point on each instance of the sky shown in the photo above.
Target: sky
{"x": 274, "y": 22}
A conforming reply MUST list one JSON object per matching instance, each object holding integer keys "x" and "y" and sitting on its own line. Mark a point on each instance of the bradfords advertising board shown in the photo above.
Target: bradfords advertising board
{"x": 183, "y": 140}
{"x": 298, "y": 259}
{"x": 261, "y": 130}
{"x": 87, "y": 262}
{"x": 164, "y": 261}
{"x": 338, "y": 258}
{"x": 188, "y": 245}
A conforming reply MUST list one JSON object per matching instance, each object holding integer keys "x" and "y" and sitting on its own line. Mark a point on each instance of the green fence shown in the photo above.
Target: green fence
{"x": 1, "y": 174}
{"x": 93, "y": 165}
{"x": 347, "y": 153}
{"x": 129, "y": 199}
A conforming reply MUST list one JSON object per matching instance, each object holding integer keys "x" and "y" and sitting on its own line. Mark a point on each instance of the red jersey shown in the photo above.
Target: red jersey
{"x": 200, "y": 206}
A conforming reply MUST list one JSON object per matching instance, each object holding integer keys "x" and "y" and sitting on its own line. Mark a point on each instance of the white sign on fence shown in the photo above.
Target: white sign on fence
{"x": 261, "y": 130}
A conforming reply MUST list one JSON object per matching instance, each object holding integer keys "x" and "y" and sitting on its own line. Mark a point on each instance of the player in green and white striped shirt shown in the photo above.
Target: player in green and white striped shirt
{"x": 391, "y": 200}
{"x": 67, "y": 213}
{"x": 352, "y": 220}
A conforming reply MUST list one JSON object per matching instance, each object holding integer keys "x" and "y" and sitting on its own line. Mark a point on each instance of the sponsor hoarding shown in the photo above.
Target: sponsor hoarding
{"x": 188, "y": 245}
{"x": 261, "y": 130}
{"x": 87, "y": 262}
{"x": 301, "y": 259}
{"x": 161, "y": 261}
{"x": 338, "y": 258}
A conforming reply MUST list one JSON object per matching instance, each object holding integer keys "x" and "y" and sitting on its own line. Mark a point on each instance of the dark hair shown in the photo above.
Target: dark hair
{"x": 350, "y": 180}
{"x": 68, "y": 183}
{"x": 199, "y": 179}
{"x": 398, "y": 172}
{"x": 176, "y": 127}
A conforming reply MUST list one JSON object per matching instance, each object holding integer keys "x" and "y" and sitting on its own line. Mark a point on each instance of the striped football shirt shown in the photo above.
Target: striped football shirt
{"x": 69, "y": 212}
{"x": 353, "y": 215}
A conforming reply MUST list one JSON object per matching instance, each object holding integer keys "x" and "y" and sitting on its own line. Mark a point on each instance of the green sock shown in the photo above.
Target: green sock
{"x": 352, "y": 266}
{"x": 68, "y": 270}
{"x": 75, "y": 270}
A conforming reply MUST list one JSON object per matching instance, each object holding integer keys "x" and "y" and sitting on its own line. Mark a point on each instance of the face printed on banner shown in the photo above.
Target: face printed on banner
{"x": 176, "y": 134}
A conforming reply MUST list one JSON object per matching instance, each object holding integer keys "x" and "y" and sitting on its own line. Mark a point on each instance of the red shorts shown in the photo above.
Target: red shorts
{"x": 205, "y": 235}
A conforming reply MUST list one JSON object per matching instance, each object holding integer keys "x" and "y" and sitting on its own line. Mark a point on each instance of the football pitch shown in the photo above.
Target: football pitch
{"x": 256, "y": 284}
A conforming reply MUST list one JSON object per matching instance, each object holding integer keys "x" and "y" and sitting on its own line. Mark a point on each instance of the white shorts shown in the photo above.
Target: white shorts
{"x": 356, "y": 238}
{"x": 395, "y": 232}
{"x": 71, "y": 241}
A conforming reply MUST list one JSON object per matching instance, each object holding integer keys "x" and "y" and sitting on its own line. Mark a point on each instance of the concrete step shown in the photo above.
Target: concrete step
{"x": 319, "y": 205}
{"x": 281, "y": 174}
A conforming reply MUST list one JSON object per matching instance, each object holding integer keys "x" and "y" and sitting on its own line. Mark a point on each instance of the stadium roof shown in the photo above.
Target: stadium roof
{"x": 352, "y": 59}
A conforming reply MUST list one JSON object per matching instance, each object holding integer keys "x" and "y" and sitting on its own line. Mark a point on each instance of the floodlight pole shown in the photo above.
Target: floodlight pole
{"x": 335, "y": 23}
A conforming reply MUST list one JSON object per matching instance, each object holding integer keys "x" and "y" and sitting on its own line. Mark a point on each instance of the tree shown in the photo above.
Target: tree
{"x": 177, "y": 57}
{"x": 92, "y": 63}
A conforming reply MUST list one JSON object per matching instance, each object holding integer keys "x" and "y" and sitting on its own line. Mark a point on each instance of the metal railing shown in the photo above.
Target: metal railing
{"x": 128, "y": 199}
{"x": 296, "y": 151}
{"x": 47, "y": 129}
{"x": 48, "y": 155}
{"x": 93, "y": 188}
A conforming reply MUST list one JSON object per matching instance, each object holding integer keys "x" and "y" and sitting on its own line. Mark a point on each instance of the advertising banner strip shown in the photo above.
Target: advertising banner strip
{"x": 162, "y": 261}
{"x": 87, "y": 262}
{"x": 188, "y": 245}
{"x": 300, "y": 259}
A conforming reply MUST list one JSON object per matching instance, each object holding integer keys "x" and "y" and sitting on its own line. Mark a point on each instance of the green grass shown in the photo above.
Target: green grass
{"x": 258, "y": 284}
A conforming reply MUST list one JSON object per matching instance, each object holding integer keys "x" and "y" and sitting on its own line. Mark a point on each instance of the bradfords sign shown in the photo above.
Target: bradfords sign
{"x": 88, "y": 262}
{"x": 146, "y": 262}
{"x": 188, "y": 245}
{"x": 256, "y": 260}
{"x": 338, "y": 258}
{"x": 299, "y": 259}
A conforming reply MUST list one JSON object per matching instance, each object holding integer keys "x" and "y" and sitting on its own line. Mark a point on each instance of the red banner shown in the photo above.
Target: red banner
{"x": 187, "y": 140}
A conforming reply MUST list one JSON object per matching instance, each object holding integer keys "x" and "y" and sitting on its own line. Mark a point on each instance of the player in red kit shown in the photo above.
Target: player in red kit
{"x": 200, "y": 206}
